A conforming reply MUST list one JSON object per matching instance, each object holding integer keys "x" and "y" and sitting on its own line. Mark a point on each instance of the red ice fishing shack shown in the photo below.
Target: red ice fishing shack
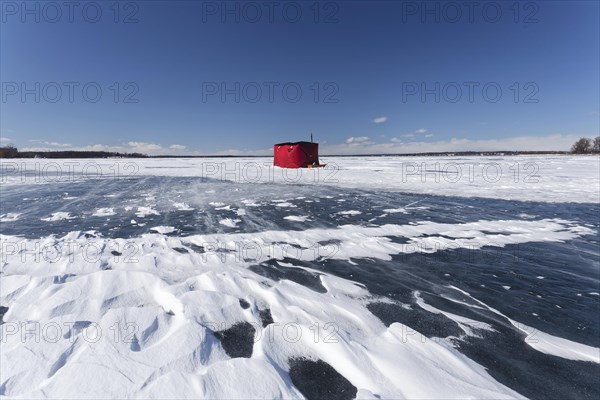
{"x": 296, "y": 155}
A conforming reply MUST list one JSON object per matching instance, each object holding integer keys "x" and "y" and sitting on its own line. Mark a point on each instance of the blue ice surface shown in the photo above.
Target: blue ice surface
{"x": 560, "y": 304}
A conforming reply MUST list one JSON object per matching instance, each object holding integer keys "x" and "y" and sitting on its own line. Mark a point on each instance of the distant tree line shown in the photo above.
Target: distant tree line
{"x": 10, "y": 151}
{"x": 586, "y": 146}
{"x": 581, "y": 146}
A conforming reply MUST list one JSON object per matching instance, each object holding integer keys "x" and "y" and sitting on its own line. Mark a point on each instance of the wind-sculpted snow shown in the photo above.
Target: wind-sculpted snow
{"x": 137, "y": 288}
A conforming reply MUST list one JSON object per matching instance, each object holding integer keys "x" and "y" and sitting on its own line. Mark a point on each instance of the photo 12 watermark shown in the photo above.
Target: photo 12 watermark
{"x": 33, "y": 252}
{"x": 123, "y": 254}
{"x": 129, "y": 332}
{"x": 455, "y": 172}
{"x": 70, "y": 92}
{"x": 470, "y": 12}
{"x": 470, "y": 92}
{"x": 70, "y": 12}
{"x": 461, "y": 254}
{"x": 66, "y": 170}
{"x": 266, "y": 172}
{"x": 270, "y": 12}
{"x": 438, "y": 332}
{"x": 271, "y": 92}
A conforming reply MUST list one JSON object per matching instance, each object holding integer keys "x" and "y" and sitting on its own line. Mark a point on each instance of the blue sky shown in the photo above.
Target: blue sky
{"x": 188, "y": 77}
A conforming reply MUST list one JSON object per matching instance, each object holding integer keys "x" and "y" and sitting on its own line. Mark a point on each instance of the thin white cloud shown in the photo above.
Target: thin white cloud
{"x": 51, "y": 144}
{"x": 143, "y": 146}
{"x": 5, "y": 139}
{"x": 131, "y": 147}
{"x": 153, "y": 149}
{"x": 379, "y": 120}
{"x": 422, "y": 130}
{"x": 429, "y": 135}
{"x": 353, "y": 141}
{"x": 555, "y": 142}
{"x": 150, "y": 149}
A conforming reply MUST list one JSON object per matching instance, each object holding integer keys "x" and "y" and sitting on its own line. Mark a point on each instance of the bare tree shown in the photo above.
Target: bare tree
{"x": 596, "y": 145}
{"x": 582, "y": 146}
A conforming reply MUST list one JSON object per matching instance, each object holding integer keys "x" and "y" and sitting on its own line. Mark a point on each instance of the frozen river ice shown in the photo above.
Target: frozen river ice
{"x": 378, "y": 277}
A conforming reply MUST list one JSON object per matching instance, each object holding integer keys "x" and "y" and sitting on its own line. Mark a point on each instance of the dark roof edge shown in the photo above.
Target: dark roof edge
{"x": 292, "y": 143}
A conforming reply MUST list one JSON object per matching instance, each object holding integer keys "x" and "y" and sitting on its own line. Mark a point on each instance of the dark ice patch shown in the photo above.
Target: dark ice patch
{"x": 329, "y": 242}
{"x": 238, "y": 340}
{"x": 439, "y": 235}
{"x": 422, "y": 321}
{"x": 265, "y": 317}
{"x": 399, "y": 239}
{"x": 60, "y": 279}
{"x": 3, "y": 310}
{"x": 491, "y": 233}
{"x": 318, "y": 380}
{"x": 273, "y": 270}
{"x": 196, "y": 248}
{"x": 294, "y": 245}
{"x": 104, "y": 266}
{"x": 508, "y": 359}
{"x": 134, "y": 344}
{"x": 244, "y": 304}
{"x": 181, "y": 250}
